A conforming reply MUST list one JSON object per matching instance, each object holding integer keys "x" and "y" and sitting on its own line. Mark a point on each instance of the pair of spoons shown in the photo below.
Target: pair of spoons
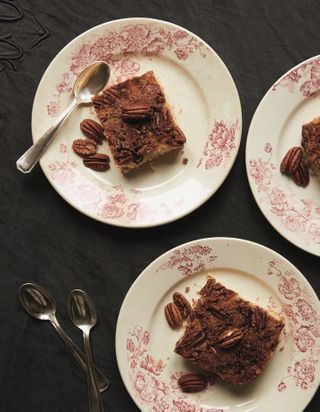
{"x": 39, "y": 304}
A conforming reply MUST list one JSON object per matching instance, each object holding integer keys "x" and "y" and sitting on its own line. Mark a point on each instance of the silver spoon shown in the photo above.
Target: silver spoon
{"x": 89, "y": 83}
{"x": 83, "y": 314}
{"x": 39, "y": 304}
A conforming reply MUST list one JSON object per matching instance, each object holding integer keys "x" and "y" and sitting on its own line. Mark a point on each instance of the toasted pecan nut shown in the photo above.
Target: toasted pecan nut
{"x": 99, "y": 162}
{"x": 137, "y": 111}
{"x": 114, "y": 92}
{"x": 291, "y": 160}
{"x": 183, "y": 304}
{"x": 258, "y": 318}
{"x": 208, "y": 288}
{"x": 194, "y": 339}
{"x": 301, "y": 175}
{"x": 92, "y": 130}
{"x": 84, "y": 147}
{"x": 192, "y": 382}
{"x": 230, "y": 337}
{"x": 173, "y": 315}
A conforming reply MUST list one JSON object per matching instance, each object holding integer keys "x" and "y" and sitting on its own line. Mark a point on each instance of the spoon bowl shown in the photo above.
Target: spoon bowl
{"x": 83, "y": 314}
{"x": 81, "y": 310}
{"x": 37, "y": 302}
{"x": 91, "y": 81}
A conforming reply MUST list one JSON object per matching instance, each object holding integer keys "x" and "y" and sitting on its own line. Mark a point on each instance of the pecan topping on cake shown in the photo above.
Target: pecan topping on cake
{"x": 136, "y": 111}
{"x": 258, "y": 318}
{"x": 228, "y": 336}
{"x": 137, "y": 122}
{"x": 194, "y": 339}
{"x": 311, "y": 144}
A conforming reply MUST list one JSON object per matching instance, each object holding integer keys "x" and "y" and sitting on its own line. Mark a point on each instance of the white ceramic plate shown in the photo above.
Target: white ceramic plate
{"x": 205, "y": 103}
{"x": 276, "y": 126}
{"x": 145, "y": 342}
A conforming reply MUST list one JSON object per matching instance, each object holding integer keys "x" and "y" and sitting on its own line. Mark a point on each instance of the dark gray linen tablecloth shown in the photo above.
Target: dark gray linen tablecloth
{"x": 46, "y": 241}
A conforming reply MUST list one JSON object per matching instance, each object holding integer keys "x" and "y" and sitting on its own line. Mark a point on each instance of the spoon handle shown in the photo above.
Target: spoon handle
{"x": 31, "y": 157}
{"x": 95, "y": 400}
{"x": 102, "y": 382}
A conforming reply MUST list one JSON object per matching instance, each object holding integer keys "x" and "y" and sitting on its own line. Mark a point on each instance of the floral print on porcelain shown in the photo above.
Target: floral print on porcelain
{"x": 148, "y": 380}
{"x": 220, "y": 144}
{"x": 117, "y": 47}
{"x": 306, "y": 77}
{"x": 160, "y": 391}
{"x": 303, "y": 325}
{"x": 53, "y": 108}
{"x": 297, "y": 215}
{"x": 116, "y": 203}
{"x": 189, "y": 260}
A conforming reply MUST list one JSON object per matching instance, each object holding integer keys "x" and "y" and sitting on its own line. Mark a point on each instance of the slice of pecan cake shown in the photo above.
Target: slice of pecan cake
{"x": 228, "y": 336}
{"x": 137, "y": 122}
{"x": 311, "y": 144}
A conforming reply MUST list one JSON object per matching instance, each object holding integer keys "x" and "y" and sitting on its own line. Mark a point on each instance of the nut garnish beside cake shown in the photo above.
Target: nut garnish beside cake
{"x": 229, "y": 337}
{"x": 311, "y": 144}
{"x": 294, "y": 166}
{"x": 137, "y": 122}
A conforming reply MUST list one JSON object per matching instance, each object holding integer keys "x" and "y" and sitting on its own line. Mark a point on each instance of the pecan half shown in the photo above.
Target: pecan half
{"x": 301, "y": 175}
{"x": 136, "y": 111}
{"x": 291, "y": 160}
{"x": 230, "y": 337}
{"x": 114, "y": 92}
{"x": 194, "y": 339}
{"x": 173, "y": 315}
{"x": 258, "y": 318}
{"x": 219, "y": 313}
{"x": 161, "y": 121}
{"x": 84, "y": 147}
{"x": 182, "y": 304}
{"x": 208, "y": 288}
{"x": 99, "y": 162}
{"x": 111, "y": 96}
{"x": 92, "y": 130}
{"x": 192, "y": 382}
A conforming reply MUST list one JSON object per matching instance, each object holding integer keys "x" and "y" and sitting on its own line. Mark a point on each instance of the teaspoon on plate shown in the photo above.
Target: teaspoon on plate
{"x": 89, "y": 83}
{"x": 39, "y": 304}
{"x": 83, "y": 314}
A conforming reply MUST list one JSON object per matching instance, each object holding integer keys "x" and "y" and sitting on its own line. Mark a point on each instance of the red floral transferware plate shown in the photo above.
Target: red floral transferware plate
{"x": 203, "y": 98}
{"x": 276, "y": 126}
{"x": 145, "y": 342}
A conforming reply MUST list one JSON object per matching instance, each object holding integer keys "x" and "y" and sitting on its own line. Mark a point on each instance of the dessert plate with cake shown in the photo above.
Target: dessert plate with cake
{"x": 158, "y": 141}
{"x": 220, "y": 324}
{"x": 283, "y": 155}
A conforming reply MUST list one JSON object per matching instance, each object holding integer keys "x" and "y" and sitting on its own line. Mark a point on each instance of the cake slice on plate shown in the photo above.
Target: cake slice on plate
{"x": 137, "y": 122}
{"x": 311, "y": 144}
{"x": 228, "y": 336}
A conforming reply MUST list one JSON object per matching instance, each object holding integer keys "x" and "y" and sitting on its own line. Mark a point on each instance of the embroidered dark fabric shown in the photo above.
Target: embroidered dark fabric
{"x": 45, "y": 240}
